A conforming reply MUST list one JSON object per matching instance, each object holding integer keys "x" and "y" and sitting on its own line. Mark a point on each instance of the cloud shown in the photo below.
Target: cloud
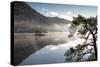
{"x": 67, "y": 15}
{"x": 52, "y": 14}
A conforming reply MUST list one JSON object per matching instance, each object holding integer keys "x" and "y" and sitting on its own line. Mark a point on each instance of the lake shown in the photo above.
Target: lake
{"x": 49, "y": 48}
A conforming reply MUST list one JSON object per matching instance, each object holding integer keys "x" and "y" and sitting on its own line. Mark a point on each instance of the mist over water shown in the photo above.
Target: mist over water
{"x": 58, "y": 43}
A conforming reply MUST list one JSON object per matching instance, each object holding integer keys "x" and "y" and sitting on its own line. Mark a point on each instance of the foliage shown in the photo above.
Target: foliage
{"x": 88, "y": 25}
{"x": 79, "y": 53}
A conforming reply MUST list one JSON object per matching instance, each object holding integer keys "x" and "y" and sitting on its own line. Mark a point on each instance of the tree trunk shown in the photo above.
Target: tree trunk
{"x": 94, "y": 41}
{"x": 95, "y": 46}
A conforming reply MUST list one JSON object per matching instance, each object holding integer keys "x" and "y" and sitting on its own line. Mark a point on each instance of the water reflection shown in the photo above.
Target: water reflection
{"x": 51, "y": 53}
{"x": 30, "y": 43}
{"x": 54, "y": 51}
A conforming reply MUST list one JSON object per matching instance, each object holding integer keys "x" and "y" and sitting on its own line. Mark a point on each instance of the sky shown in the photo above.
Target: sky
{"x": 66, "y": 11}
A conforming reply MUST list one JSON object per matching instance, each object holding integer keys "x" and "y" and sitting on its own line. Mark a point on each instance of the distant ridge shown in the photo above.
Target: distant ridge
{"x": 27, "y": 19}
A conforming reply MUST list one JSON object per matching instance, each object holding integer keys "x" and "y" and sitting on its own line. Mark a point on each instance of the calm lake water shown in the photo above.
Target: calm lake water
{"x": 55, "y": 45}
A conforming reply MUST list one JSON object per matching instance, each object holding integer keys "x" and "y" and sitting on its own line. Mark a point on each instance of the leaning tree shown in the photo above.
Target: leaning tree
{"x": 89, "y": 27}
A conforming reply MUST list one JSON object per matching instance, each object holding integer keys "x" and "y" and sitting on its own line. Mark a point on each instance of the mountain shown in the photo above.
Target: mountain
{"x": 28, "y": 20}
{"x": 57, "y": 20}
{"x": 23, "y": 12}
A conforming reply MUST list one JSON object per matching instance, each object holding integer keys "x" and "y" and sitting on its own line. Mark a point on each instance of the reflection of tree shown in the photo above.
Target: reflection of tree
{"x": 39, "y": 31}
{"x": 89, "y": 26}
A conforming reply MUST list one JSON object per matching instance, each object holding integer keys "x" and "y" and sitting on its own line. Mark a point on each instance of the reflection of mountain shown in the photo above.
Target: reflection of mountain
{"x": 28, "y": 20}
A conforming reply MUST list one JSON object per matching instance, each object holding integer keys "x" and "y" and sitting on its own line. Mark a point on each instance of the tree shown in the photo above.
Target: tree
{"x": 89, "y": 25}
